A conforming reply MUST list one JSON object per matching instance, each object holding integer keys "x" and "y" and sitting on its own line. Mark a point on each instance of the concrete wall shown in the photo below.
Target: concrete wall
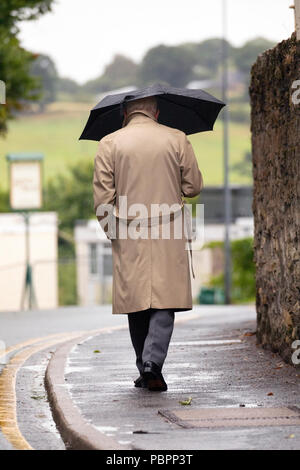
{"x": 43, "y": 258}
{"x": 275, "y": 122}
{"x": 92, "y": 288}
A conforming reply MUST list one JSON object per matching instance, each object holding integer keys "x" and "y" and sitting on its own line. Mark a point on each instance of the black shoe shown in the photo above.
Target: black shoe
{"x": 140, "y": 382}
{"x": 154, "y": 378}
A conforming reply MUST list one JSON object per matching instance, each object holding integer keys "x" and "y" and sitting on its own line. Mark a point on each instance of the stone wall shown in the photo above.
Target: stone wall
{"x": 275, "y": 126}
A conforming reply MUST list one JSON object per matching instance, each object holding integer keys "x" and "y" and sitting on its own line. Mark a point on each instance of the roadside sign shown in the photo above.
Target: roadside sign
{"x": 25, "y": 181}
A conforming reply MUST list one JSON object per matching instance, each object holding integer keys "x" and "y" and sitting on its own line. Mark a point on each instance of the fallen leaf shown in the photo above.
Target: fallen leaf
{"x": 250, "y": 333}
{"x": 270, "y": 394}
{"x": 291, "y": 436}
{"x": 186, "y": 402}
{"x": 97, "y": 351}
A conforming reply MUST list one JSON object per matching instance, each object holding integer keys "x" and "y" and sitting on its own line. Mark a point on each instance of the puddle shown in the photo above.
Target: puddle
{"x": 36, "y": 368}
{"x": 199, "y": 377}
{"x": 183, "y": 365}
{"x": 74, "y": 366}
{"x": 213, "y": 342}
{"x": 107, "y": 429}
{"x": 70, "y": 369}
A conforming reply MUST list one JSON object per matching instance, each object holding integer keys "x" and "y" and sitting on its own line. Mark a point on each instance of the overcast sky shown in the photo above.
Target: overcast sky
{"x": 83, "y": 35}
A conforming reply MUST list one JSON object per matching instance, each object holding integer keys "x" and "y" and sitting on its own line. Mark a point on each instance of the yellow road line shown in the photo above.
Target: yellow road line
{"x": 30, "y": 342}
{"x": 8, "y": 404}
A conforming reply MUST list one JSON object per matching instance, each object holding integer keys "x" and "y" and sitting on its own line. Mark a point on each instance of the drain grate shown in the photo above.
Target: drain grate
{"x": 233, "y": 417}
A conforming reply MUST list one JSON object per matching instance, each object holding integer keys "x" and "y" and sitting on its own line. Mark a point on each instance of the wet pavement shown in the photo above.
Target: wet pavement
{"x": 212, "y": 359}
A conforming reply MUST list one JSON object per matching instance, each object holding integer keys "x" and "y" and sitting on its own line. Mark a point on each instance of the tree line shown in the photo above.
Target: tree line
{"x": 173, "y": 65}
{"x": 34, "y": 78}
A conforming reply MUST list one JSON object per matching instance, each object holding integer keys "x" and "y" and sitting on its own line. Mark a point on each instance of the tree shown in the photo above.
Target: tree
{"x": 168, "y": 64}
{"x": 14, "y": 11}
{"x": 15, "y": 61}
{"x": 119, "y": 73}
{"x": 207, "y": 56}
{"x": 67, "y": 85}
{"x": 43, "y": 68}
{"x": 71, "y": 195}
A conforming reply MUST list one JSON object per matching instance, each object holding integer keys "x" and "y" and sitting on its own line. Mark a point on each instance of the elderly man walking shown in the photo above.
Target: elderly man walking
{"x": 150, "y": 165}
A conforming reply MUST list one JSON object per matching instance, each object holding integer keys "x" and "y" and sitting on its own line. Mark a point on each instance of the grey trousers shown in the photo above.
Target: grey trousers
{"x": 151, "y": 332}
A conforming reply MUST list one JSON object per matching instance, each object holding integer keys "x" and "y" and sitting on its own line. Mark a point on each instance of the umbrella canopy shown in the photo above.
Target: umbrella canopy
{"x": 189, "y": 110}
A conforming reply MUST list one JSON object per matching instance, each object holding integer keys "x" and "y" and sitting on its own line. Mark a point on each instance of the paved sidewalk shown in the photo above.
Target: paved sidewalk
{"x": 213, "y": 360}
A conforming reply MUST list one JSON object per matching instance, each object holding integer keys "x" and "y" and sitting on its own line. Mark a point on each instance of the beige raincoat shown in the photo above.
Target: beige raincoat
{"x": 150, "y": 164}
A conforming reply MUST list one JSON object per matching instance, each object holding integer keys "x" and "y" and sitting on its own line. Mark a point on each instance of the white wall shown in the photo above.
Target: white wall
{"x": 43, "y": 258}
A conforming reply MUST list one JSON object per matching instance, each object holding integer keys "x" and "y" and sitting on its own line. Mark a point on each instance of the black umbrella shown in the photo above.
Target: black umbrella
{"x": 189, "y": 110}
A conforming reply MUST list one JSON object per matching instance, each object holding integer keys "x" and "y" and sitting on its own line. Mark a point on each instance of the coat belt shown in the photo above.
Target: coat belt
{"x": 164, "y": 218}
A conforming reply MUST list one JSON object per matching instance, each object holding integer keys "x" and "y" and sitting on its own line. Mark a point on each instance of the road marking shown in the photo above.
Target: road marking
{"x": 8, "y": 403}
{"x": 209, "y": 342}
{"x": 29, "y": 342}
{"x": 32, "y": 341}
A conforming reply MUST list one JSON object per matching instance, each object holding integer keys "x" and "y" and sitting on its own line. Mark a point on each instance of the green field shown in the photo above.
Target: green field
{"x": 55, "y": 133}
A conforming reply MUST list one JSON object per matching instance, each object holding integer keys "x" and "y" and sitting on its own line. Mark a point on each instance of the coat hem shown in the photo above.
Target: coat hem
{"x": 175, "y": 309}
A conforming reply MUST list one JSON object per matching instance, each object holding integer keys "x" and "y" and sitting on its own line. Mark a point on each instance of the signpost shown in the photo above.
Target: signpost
{"x": 25, "y": 176}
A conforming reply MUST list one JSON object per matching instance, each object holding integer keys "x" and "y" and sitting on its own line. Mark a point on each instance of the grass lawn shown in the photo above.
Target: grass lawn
{"x": 55, "y": 133}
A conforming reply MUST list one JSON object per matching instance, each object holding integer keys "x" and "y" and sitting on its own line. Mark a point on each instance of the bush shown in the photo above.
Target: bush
{"x": 243, "y": 270}
{"x": 71, "y": 195}
{"x": 4, "y": 201}
{"x": 67, "y": 289}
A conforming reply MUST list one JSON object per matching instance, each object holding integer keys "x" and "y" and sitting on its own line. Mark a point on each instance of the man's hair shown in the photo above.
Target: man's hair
{"x": 144, "y": 104}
